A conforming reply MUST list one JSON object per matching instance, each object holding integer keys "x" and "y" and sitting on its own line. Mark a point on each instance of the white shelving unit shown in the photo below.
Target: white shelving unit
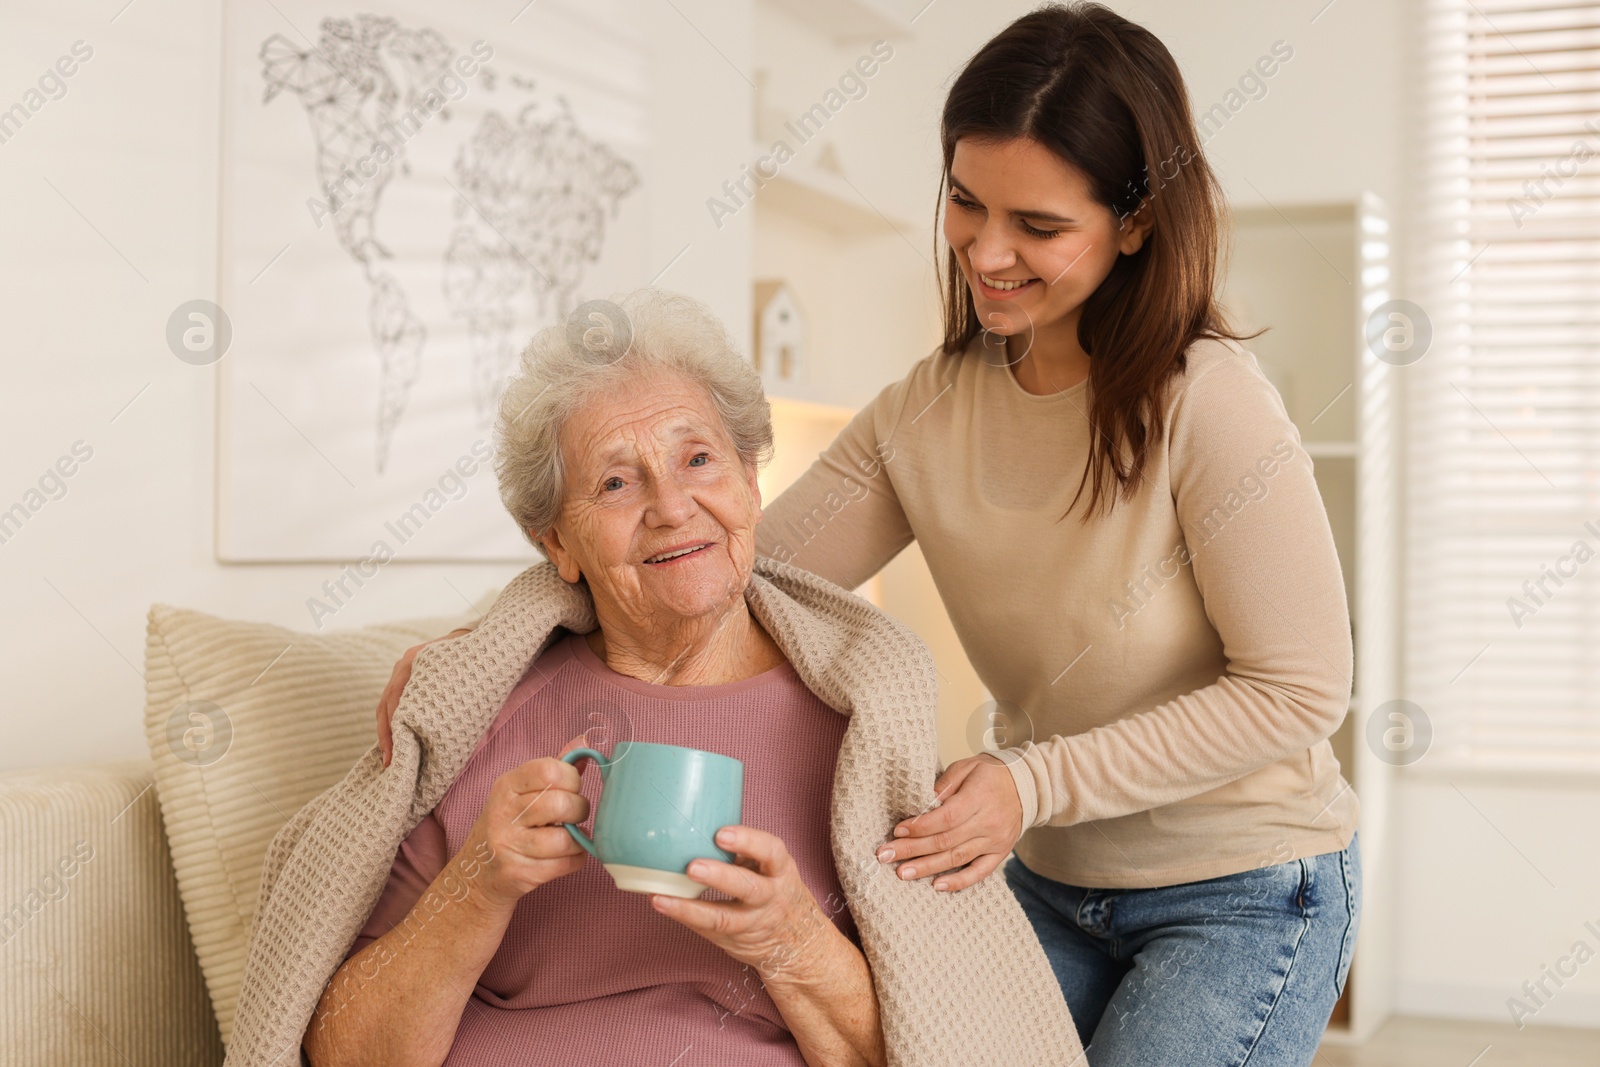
{"x": 822, "y": 220}
{"x": 1314, "y": 273}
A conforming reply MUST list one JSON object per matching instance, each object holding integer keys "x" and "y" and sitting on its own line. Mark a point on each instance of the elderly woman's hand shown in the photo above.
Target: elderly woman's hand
{"x": 816, "y": 976}
{"x": 978, "y": 820}
{"x": 772, "y": 920}
{"x": 519, "y": 831}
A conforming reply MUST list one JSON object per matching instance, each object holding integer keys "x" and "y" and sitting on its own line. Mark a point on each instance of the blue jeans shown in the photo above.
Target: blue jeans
{"x": 1227, "y": 972}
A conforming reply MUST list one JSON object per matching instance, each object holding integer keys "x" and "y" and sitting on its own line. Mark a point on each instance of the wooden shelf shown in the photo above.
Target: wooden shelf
{"x": 810, "y": 409}
{"x": 819, "y": 197}
{"x": 1331, "y": 449}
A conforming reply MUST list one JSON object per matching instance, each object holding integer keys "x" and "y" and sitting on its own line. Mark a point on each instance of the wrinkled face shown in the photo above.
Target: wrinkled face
{"x": 1019, "y": 213}
{"x": 650, "y": 469}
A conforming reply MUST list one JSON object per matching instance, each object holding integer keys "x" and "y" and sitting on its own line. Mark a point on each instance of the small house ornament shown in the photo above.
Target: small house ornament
{"x": 779, "y": 351}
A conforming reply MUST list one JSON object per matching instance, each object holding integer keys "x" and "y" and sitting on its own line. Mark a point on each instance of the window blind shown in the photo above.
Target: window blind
{"x": 1502, "y": 606}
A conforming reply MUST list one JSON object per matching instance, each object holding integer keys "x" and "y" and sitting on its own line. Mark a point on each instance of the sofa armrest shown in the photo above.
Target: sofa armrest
{"x": 96, "y": 965}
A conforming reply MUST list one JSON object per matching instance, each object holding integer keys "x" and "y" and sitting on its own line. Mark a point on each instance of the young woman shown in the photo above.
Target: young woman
{"x": 1130, "y": 543}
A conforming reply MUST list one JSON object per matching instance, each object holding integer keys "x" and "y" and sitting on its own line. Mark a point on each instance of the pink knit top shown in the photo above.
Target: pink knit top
{"x": 587, "y": 972}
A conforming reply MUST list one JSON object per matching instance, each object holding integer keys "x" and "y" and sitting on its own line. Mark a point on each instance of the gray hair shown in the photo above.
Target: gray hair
{"x": 599, "y": 346}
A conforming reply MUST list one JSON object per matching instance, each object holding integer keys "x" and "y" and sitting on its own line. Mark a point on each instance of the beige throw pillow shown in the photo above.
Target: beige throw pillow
{"x": 247, "y": 722}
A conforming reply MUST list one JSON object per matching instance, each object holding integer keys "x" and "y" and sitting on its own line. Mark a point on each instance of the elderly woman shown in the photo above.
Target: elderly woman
{"x": 635, "y": 474}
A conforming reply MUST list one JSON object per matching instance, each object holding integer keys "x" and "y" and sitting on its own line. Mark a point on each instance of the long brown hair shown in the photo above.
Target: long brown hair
{"x": 1105, "y": 95}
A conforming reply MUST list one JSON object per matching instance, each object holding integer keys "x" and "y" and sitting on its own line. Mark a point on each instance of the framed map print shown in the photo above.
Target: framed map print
{"x": 409, "y": 192}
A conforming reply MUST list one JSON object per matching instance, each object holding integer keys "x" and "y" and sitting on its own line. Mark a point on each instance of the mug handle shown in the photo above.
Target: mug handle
{"x": 605, "y": 765}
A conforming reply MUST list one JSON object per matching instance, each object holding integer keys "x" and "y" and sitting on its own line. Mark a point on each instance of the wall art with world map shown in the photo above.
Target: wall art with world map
{"x": 410, "y": 191}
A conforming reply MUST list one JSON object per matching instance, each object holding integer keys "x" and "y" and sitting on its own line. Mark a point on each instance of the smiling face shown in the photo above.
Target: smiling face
{"x": 1032, "y": 241}
{"x": 650, "y": 470}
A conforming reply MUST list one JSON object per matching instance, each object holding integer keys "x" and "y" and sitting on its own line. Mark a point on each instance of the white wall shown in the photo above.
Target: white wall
{"x": 1499, "y": 881}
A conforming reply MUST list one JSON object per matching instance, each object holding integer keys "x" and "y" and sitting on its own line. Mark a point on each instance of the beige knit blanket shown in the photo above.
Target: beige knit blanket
{"x": 960, "y": 977}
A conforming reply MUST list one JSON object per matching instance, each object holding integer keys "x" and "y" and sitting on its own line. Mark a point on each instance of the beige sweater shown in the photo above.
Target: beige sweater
{"x": 1180, "y": 662}
{"x": 960, "y": 977}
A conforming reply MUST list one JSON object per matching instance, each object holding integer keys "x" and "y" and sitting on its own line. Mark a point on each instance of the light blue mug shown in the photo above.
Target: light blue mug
{"x": 661, "y": 806}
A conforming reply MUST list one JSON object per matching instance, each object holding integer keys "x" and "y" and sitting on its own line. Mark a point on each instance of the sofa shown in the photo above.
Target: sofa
{"x": 127, "y": 889}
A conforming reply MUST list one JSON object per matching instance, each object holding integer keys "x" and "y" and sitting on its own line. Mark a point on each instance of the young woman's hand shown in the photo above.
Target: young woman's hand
{"x": 772, "y": 923}
{"x": 397, "y": 685}
{"x": 978, "y": 820}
